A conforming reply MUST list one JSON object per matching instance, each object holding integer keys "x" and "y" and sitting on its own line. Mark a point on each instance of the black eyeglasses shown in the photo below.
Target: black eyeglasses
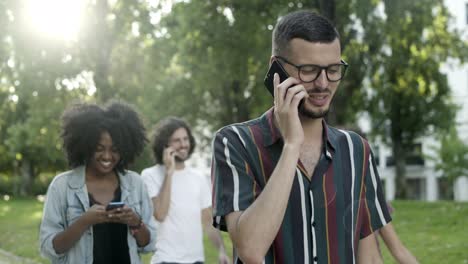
{"x": 310, "y": 72}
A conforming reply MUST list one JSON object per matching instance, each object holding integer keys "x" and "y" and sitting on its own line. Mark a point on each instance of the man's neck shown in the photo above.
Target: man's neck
{"x": 180, "y": 165}
{"x": 313, "y": 129}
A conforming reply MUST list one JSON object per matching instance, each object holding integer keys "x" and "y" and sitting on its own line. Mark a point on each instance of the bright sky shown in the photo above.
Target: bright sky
{"x": 59, "y": 19}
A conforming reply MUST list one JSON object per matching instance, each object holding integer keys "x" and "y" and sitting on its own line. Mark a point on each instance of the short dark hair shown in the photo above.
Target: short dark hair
{"x": 83, "y": 124}
{"x": 162, "y": 134}
{"x": 306, "y": 25}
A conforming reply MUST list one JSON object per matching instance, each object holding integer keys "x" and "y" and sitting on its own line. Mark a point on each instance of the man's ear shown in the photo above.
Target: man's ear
{"x": 272, "y": 58}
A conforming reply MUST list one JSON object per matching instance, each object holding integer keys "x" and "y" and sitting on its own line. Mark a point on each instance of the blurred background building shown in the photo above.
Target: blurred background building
{"x": 424, "y": 182}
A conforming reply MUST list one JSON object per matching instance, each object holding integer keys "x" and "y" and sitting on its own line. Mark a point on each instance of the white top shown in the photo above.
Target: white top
{"x": 179, "y": 238}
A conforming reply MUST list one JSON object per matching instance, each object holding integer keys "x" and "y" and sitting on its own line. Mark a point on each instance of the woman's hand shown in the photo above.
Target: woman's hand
{"x": 96, "y": 214}
{"x": 124, "y": 215}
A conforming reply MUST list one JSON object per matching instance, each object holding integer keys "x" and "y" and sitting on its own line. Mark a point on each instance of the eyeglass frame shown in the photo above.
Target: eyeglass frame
{"x": 298, "y": 67}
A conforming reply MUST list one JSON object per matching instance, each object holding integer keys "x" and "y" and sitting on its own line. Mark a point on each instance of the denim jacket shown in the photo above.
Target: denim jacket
{"x": 67, "y": 199}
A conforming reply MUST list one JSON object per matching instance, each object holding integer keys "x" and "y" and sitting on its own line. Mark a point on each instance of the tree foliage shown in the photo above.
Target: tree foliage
{"x": 220, "y": 52}
{"x": 205, "y": 61}
{"x": 452, "y": 156}
{"x": 42, "y": 76}
{"x": 33, "y": 98}
{"x": 410, "y": 94}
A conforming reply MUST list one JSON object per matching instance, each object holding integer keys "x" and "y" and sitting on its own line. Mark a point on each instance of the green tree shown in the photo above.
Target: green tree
{"x": 451, "y": 156}
{"x": 409, "y": 92}
{"x": 206, "y": 60}
{"x": 42, "y": 75}
{"x": 219, "y": 52}
{"x": 353, "y": 20}
{"x": 112, "y": 46}
{"x": 28, "y": 91}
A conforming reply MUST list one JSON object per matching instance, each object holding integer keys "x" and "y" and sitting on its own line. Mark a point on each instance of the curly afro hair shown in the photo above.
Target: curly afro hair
{"x": 83, "y": 124}
{"x": 162, "y": 134}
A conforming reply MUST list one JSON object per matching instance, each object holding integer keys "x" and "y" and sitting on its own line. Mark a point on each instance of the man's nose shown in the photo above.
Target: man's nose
{"x": 322, "y": 80}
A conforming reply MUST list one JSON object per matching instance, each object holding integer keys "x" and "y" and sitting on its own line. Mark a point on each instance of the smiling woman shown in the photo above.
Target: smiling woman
{"x": 100, "y": 142}
{"x": 56, "y": 18}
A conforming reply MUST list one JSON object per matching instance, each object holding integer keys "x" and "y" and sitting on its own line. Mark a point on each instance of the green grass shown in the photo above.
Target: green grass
{"x": 211, "y": 254}
{"x": 19, "y": 227}
{"x": 19, "y": 231}
{"x": 434, "y": 232}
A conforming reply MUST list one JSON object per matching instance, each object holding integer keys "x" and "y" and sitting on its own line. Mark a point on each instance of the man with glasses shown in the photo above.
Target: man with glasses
{"x": 310, "y": 72}
{"x": 287, "y": 187}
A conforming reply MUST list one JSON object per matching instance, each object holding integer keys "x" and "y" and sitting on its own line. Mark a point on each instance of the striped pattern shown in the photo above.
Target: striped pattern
{"x": 353, "y": 177}
{"x": 304, "y": 214}
{"x": 326, "y": 215}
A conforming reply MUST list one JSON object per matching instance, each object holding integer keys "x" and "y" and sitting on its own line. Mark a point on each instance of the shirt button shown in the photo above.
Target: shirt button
{"x": 314, "y": 224}
{"x": 315, "y": 259}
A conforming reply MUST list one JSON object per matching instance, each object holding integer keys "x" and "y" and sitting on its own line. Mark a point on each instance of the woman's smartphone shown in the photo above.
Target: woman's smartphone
{"x": 113, "y": 205}
{"x": 275, "y": 67}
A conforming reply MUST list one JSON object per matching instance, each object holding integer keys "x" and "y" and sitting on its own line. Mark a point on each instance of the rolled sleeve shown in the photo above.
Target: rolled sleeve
{"x": 233, "y": 184}
{"x": 53, "y": 222}
{"x": 377, "y": 214}
{"x": 147, "y": 216}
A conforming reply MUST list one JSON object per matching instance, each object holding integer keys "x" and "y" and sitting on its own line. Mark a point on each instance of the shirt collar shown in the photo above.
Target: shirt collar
{"x": 272, "y": 134}
{"x": 78, "y": 179}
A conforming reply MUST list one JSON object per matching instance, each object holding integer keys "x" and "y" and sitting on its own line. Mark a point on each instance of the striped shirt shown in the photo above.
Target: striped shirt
{"x": 326, "y": 216}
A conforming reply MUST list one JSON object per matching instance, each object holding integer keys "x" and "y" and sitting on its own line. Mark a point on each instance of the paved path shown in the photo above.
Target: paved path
{"x": 8, "y": 258}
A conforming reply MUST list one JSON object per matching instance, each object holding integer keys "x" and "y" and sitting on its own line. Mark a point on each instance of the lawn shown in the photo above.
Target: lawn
{"x": 434, "y": 232}
{"x": 19, "y": 227}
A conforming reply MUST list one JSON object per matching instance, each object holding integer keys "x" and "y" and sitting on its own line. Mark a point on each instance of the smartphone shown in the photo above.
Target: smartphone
{"x": 275, "y": 67}
{"x": 113, "y": 205}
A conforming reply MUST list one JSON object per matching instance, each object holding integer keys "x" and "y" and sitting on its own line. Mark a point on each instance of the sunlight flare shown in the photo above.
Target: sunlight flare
{"x": 56, "y": 18}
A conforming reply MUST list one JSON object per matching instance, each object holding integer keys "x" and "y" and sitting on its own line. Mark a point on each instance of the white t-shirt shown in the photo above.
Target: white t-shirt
{"x": 179, "y": 238}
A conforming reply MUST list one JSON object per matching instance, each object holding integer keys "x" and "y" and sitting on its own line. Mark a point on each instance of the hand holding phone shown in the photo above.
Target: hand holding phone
{"x": 275, "y": 67}
{"x": 114, "y": 205}
{"x": 286, "y": 116}
{"x": 169, "y": 158}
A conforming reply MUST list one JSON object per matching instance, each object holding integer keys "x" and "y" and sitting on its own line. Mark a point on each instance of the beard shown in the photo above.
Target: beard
{"x": 314, "y": 114}
{"x": 311, "y": 113}
{"x": 181, "y": 159}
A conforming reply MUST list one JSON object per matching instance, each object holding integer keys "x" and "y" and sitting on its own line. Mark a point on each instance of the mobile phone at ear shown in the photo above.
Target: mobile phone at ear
{"x": 275, "y": 67}
{"x": 113, "y": 205}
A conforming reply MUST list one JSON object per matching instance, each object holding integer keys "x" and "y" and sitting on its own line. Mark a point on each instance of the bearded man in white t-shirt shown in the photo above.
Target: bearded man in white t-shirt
{"x": 181, "y": 198}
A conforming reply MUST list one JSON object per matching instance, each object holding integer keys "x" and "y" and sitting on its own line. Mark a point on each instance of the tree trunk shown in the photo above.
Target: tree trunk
{"x": 240, "y": 103}
{"x": 399, "y": 156}
{"x": 27, "y": 175}
{"x": 16, "y": 178}
{"x": 235, "y": 107}
{"x": 102, "y": 46}
{"x": 327, "y": 8}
